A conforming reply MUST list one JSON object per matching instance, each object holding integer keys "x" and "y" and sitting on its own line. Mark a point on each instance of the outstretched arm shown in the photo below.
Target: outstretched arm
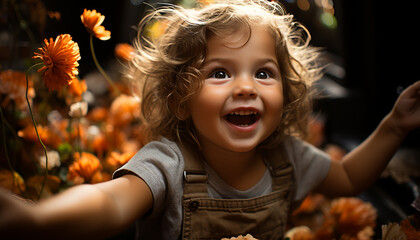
{"x": 362, "y": 166}
{"x": 85, "y": 211}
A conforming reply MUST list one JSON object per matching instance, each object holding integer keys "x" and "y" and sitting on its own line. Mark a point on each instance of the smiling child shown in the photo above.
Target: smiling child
{"x": 225, "y": 96}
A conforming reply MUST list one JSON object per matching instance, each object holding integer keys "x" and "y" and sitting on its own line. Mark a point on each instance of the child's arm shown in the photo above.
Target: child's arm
{"x": 86, "y": 211}
{"x": 361, "y": 167}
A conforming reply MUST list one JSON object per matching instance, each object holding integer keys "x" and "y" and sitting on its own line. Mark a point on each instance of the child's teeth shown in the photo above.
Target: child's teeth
{"x": 244, "y": 112}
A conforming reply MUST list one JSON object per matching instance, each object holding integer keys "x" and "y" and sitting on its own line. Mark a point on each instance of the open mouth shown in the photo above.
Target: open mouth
{"x": 243, "y": 118}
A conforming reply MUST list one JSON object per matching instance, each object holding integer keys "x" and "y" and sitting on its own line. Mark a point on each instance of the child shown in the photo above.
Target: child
{"x": 225, "y": 95}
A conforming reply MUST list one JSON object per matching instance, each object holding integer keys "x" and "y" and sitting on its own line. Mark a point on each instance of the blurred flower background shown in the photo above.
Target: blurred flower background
{"x": 66, "y": 120}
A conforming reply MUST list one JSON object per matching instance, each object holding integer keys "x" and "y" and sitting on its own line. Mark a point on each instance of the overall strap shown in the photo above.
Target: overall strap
{"x": 280, "y": 167}
{"x": 195, "y": 177}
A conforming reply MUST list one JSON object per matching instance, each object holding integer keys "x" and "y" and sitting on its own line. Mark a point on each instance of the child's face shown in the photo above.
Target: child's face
{"x": 241, "y": 101}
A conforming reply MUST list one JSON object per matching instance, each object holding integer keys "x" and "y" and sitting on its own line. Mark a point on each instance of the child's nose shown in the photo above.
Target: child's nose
{"x": 245, "y": 87}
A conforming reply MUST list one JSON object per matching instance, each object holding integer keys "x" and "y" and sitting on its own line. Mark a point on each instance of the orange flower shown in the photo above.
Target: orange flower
{"x": 54, "y": 15}
{"x": 77, "y": 87}
{"x": 124, "y": 109}
{"x": 60, "y": 61}
{"x": 97, "y": 114}
{"x": 348, "y": 216}
{"x": 410, "y": 227}
{"x": 100, "y": 144}
{"x": 312, "y": 203}
{"x": 116, "y": 160}
{"x": 84, "y": 169}
{"x": 124, "y": 51}
{"x": 13, "y": 85}
{"x": 92, "y": 21}
{"x": 206, "y": 2}
{"x": 47, "y": 136}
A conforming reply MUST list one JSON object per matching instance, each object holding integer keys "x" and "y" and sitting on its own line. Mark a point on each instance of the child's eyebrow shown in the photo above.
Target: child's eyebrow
{"x": 261, "y": 61}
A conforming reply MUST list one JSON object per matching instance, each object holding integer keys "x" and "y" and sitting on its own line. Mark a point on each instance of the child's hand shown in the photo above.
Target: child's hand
{"x": 406, "y": 111}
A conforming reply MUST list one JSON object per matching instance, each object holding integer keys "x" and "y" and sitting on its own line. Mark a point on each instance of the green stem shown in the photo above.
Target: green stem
{"x": 101, "y": 70}
{"x": 36, "y": 129}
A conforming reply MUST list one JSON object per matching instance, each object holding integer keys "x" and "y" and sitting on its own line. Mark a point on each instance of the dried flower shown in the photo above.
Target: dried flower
{"x": 392, "y": 231}
{"x": 13, "y": 182}
{"x": 300, "y": 233}
{"x": 53, "y": 160}
{"x": 78, "y": 109}
{"x": 13, "y": 85}
{"x": 124, "y": 51}
{"x": 60, "y": 61}
{"x": 84, "y": 168}
{"x": 92, "y": 21}
{"x": 240, "y": 237}
{"x": 49, "y": 185}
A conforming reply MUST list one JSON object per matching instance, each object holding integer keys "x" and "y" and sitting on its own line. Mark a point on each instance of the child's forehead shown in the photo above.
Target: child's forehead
{"x": 240, "y": 35}
{"x": 257, "y": 44}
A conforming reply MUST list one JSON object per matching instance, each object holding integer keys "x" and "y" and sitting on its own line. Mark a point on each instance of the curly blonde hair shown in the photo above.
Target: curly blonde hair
{"x": 166, "y": 69}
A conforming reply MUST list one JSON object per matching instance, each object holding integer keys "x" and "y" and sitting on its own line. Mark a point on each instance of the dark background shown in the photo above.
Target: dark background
{"x": 375, "y": 42}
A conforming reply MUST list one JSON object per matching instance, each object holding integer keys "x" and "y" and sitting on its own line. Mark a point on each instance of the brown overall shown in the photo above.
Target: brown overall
{"x": 263, "y": 217}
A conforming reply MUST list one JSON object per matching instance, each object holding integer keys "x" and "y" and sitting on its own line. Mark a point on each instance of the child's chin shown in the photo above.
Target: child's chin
{"x": 243, "y": 148}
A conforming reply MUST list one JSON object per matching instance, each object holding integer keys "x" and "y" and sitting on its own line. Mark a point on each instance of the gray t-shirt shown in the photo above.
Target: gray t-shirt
{"x": 161, "y": 164}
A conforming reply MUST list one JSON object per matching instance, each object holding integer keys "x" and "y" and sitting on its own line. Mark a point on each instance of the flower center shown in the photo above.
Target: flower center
{"x": 48, "y": 62}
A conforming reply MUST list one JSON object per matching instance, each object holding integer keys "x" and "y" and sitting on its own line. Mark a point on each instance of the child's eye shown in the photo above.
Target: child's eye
{"x": 262, "y": 75}
{"x": 219, "y": 74}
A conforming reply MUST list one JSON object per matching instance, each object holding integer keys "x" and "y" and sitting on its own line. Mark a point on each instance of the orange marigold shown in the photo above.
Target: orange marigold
{"x": 92, "y": 21}
{"x": 351, "y": 215}
{"x": 116, "y": 159}
{"x": 60, "y": 61}
{"x": 47, "y": 135}
{"x": 84, "y": 168}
